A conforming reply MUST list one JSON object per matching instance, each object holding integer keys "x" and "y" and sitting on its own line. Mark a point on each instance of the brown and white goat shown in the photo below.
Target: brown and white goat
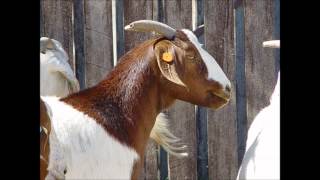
{"x": 57, "y": 79}
{"x": 101, "y": 132}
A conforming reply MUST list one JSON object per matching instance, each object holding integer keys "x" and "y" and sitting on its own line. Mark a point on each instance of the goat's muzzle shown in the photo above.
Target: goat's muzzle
{"x": 218, "y": 99}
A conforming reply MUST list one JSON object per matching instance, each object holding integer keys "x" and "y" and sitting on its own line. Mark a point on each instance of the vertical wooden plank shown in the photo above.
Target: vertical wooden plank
{"x": 177, "y": 14}
{"x": 78, "y": 10}
{"x": 151, "y": 161}
{"x": 184, "y": 126}
{"x": 219, "y": 41}
{"x": 136, "y": 10}
{"x": 98, "y": 40}
{"x": 200, "y": 12}
{"x": 158, "y": 14}
{"x": 277, "y": 34}
{"x": 163, "y": 165}
{"x": 201, "y": 112}
{"x": 117, "y": 30}
{"x": 202, "y": 143}
{"x": 240, "y": 83}
{"x": 57, "y": 24}
{"x": 260, "y": 62}
{"x": 41, "y": 19}
{"x": 158, "y": 10}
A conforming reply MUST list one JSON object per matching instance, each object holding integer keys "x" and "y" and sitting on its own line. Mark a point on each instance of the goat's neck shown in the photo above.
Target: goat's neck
{"x": 127, "y": 102}
{"x": 136, "y": 94}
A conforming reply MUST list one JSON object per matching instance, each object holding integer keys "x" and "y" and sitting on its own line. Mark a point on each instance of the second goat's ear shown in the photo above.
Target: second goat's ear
{"x": 46, "y": 43}
{"x": 50, "y": 44}
{"x": 199, "y": 31}
{"x": 167, "y": 62}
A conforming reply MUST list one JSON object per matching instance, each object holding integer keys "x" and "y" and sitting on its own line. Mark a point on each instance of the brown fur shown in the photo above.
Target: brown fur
{"x": 128, "y": 100}
{"x": 44, "y": 140}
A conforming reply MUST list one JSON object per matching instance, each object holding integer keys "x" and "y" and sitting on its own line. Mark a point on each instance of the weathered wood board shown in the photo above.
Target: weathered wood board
{"x": 136, "y": 10}
{"x": 261, "y": 75}
{"x": 56, "y": 18}
{"x": 177, "y": 14}
{"x": 222, "y": 137}
{"x": 98, "y": 40}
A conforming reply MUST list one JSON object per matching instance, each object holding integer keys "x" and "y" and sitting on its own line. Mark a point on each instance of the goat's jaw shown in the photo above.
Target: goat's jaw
{"x": 217, "y": 102}
{"x": 224, "y": 95}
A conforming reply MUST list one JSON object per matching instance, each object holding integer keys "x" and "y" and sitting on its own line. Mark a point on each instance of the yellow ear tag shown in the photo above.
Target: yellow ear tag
{"x": 167, "y": 57}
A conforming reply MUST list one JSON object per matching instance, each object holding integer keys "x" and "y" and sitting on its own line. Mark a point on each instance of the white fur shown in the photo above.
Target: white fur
{"x": 82, "y": 147}
{"x": 161, "y": 134}
{"x": 262, "y": 157}
{"x": 214, "y": 70}
{"x": 56, "y": 75}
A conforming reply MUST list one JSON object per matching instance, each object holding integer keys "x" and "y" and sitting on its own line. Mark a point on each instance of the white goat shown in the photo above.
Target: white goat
{"x": 262, "y": 156}
{"x": 56, "y": 75}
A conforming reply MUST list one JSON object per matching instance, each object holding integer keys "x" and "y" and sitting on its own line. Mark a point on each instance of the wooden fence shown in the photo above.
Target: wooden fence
{"x": 92, "y": 33}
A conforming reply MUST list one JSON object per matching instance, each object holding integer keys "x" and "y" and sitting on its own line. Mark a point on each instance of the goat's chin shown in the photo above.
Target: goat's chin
{"x": 216, "y": 102}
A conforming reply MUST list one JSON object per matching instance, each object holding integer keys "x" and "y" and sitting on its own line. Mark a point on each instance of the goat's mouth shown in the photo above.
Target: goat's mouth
{"x": 218, "y": 100}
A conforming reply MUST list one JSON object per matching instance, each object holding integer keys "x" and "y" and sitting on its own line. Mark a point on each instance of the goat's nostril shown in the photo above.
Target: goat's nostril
{"x": 228, "y": 88}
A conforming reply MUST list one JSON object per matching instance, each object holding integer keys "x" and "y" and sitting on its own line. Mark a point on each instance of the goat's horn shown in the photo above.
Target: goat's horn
{"x": 149, "y": 26}
{"x": 272, "y": 44}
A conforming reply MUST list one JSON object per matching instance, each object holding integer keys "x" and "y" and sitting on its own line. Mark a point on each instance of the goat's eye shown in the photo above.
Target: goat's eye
{"x": 190, "y": 57}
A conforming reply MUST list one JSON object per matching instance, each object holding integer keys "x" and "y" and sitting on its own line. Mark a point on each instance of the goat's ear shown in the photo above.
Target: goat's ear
{"x": 50, "y": 44}
{"x": 46, "y": 43}
{"x": 199, "y": 31}
{"x": 167, "y": 61}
